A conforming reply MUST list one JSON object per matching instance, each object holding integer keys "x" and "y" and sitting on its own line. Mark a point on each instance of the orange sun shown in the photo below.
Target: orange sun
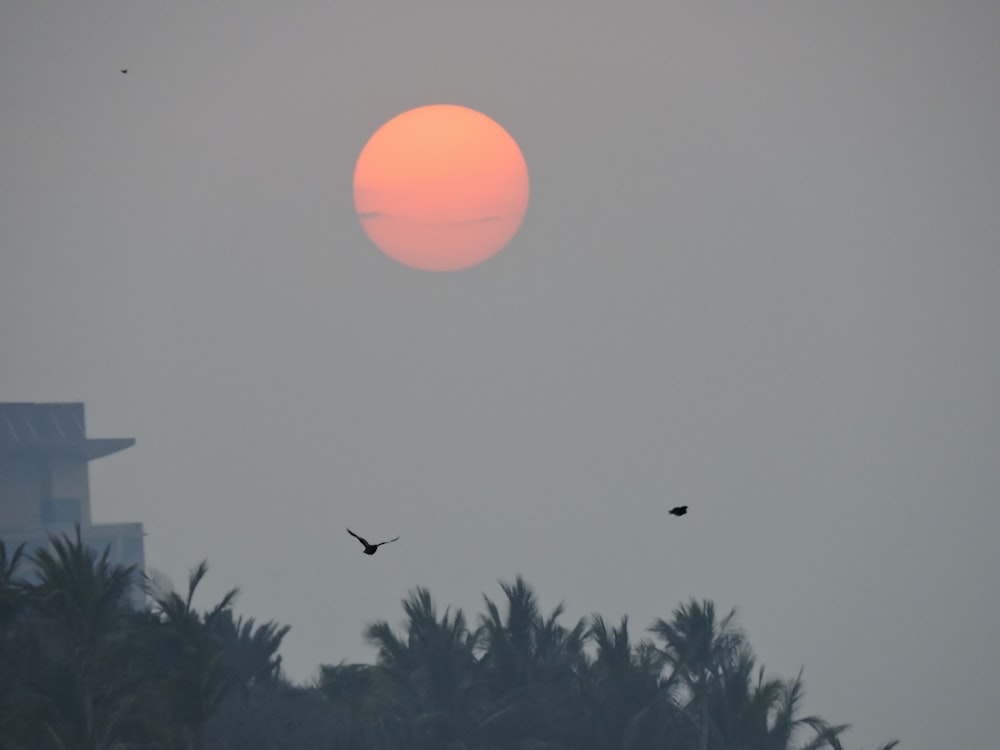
{"x": 441, "y": 188}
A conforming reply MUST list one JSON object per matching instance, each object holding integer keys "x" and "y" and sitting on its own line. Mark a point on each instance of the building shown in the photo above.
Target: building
{"x": 45, "y": 484}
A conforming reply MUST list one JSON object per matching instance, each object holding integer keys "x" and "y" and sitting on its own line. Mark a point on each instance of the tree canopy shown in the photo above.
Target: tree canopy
{"x": 85, "y": 665}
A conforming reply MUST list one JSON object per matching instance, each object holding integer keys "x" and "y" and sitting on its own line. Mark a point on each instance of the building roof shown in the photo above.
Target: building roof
{"x": 52, "y": 429}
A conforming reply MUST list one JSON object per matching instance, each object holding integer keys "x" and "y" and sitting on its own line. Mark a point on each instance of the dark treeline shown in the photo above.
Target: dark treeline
{"x": 83, "y": 668}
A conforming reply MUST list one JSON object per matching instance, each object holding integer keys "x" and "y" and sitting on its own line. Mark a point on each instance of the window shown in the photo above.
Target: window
{"x": 132, "y": 550}
{"x": 61, "y": 510}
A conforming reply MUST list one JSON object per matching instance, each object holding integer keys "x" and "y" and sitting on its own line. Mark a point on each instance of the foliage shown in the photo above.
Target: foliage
{"x": 81, "y": 668}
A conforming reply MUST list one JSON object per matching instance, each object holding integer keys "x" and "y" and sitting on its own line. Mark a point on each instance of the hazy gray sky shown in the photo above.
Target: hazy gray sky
{"x": 759, "y": 275}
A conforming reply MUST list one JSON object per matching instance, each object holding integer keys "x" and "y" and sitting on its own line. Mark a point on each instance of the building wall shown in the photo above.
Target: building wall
{"x": 20, "y": 493}
{"x": 45, "y": 482}
{"x": 44, "y": 491}
{"x": 69, "y": 479}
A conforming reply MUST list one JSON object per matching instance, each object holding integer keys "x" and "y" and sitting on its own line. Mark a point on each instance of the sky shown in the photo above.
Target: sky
{"x": 758, "y": 276}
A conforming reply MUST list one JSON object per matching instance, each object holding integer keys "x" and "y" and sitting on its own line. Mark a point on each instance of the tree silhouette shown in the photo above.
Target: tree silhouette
{"x": 695, "y": 645}
{"x": 193, "y": 667}
{"x": 79, "y": 603}
{"x": 620, "y": 684}
{"x": 82, "y": 669}
{"x": 11, "y": 590}
{"x": 533, "y": 665}
{"x": 251, "y": 650}
{"x": 433, "y": 670}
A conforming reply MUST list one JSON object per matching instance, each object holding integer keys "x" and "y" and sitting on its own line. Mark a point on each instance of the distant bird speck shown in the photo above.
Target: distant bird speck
{"x": 680, "y": 510}
{"x": 370, "y": 549}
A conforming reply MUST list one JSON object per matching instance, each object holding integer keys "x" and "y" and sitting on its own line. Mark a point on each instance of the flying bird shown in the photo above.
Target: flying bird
{"x": 680, "y": 510}
{"x": 370, "y": 549}
{"x": 124, "y": 70}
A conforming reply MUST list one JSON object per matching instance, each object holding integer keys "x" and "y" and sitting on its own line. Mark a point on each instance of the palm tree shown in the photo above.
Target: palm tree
{"x": 364, "y": 705}
{"x": 764, "y": 713}
{"x": 82, "y": 596}
{"x": 251, "y": 650}
{"x": 741, "y": 707}
{"x": 532, "y": 665}
{"x": 621, "y": 683}
{"x": 695, "y": 645}
{"x": 287, "y": 718}
{"x": 80, "y": 605}
{"x": 786, "y": 721}
{"x": 21, "y": 709}
{"x": 433, "y": 670}
{"x": 11, "y": 590}
{"x": 193, "y": 667}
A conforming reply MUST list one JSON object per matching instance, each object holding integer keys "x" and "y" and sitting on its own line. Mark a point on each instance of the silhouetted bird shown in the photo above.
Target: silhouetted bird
{"x": 680, "y": 510}
{"x": 370, "y": 549}
{"x": 124, "y": 70}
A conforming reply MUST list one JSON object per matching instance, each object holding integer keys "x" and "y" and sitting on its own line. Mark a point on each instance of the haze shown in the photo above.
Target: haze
{"x": 758, "y": 276}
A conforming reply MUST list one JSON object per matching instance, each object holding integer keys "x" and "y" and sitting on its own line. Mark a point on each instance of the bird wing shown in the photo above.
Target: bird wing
{"x": 359, "y": 538}
{"x": 389, "y": 542}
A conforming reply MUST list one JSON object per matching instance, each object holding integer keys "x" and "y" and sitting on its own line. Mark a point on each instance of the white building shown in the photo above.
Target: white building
{"x": 45, "y": 485}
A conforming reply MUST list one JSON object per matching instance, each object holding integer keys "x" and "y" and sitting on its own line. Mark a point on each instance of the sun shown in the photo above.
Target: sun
{"x": 441, "y": 188}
